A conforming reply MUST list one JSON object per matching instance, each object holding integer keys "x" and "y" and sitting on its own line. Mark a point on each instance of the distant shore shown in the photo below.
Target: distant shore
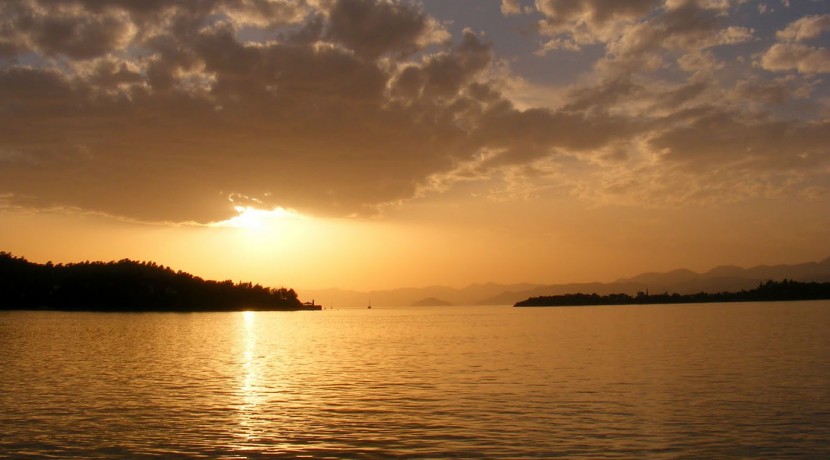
{"x": 769, "y": 291}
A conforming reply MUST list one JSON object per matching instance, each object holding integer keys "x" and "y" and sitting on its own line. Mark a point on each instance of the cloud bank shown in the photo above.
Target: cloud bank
{"x": 166, "y": 110}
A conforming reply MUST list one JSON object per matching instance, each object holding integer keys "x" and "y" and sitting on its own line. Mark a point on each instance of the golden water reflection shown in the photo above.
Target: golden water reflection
{"x": 251, "y": 385}
{"x": 692, "y": 381}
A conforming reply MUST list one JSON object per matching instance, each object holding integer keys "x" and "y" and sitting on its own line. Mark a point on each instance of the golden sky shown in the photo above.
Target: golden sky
{"x": 374, "y": 144}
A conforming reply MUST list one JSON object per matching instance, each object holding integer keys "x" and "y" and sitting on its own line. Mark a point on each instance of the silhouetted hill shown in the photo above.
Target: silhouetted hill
{"x": 730, "y": 277}
{"x": 127, "y": 285}
{"x": 431, "y": 302}
{"x": 673, "y": 277}
{"x": 724, "y": 271}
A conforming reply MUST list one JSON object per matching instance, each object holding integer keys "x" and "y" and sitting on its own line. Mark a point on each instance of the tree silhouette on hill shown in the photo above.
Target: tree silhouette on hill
{"x": 127, "y": 285}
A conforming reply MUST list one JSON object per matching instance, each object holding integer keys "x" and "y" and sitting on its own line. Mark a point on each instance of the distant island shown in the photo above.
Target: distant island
{"x": 768, "y": 291}
{"x": 128, "y": 285}
{"x": 431, "y": 302}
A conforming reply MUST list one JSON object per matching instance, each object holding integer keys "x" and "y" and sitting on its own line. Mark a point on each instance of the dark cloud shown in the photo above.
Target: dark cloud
{"x": 607, "y": 94}
{"x": 444, "y": 74}
{"x": 711, "y": 138}
{"x": 78, "y": 35}
{"x": 84, "y": 29}
{"x": 198, "y": 115}
{"x": 372, "y": 28}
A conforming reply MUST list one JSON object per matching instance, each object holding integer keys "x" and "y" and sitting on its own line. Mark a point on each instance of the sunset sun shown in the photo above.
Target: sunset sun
{"x": 251, "y": 218}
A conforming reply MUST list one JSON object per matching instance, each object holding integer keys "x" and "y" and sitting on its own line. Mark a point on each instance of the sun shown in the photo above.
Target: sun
{"x": 257, "y": 219}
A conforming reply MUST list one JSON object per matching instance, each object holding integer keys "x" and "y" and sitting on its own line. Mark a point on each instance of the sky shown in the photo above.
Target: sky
{"x": 373, "y": 144}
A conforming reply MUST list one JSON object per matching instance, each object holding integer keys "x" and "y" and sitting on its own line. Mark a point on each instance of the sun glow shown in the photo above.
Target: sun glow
{"x": 253, "y": 218}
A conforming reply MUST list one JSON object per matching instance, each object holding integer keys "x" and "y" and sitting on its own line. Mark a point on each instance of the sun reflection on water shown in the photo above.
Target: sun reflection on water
{"x": 251, "y": 383}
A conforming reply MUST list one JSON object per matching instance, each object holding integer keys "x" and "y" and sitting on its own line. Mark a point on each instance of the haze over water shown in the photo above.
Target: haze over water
{"x": 693, "y": 381}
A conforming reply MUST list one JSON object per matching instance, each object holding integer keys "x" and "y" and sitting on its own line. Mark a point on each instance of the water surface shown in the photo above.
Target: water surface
{"x": 682, "y": 381}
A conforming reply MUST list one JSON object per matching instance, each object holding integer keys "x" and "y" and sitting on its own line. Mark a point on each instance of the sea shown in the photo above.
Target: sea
{"x": 738, "y": 380}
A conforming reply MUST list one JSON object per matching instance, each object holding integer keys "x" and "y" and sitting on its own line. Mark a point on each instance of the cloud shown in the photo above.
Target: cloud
{"x": 700, "y": 63}
{"x": 443, "y": 74}
{"x": 170, "y": 110}
{"x": 84, "y": 29}
{"x": 699, "y": 141}
{"x": 806, "y": 28}
{"x": 568, "y": 44}
{"x": 189, "y": 114}
{"x": 782, "y": 57}
{"x": 710, "y": 155}
{"x": 509, "y": 7}
{"x": 706, "y": 137}
{"x": 710, "y": 137}
{"x": 686, "y": 28}
{"x": 372, "y": 28}
{"x": 779, "y": 92}
{"x": 642, "y": 36}
{"x": 590, "y": 21}
{"x": 790, "y": 53}
{"x": 66, "y": 29}
{"x": 723, "y": 156}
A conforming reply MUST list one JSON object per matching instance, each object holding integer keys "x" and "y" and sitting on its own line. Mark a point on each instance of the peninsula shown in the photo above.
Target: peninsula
{"x": 128, "y": 285}
{"x": 768, "y": 291}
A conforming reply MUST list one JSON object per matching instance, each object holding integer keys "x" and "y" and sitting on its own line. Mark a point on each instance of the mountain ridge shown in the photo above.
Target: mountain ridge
{"x": 682, "y": 281}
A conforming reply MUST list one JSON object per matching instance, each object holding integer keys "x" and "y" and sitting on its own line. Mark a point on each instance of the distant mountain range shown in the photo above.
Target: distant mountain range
{"x": 682, "y": 281}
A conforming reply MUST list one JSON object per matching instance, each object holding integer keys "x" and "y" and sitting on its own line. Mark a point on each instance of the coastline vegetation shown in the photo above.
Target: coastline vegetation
{"x": 128, "y": 285}
{"x": 765, "y": 292}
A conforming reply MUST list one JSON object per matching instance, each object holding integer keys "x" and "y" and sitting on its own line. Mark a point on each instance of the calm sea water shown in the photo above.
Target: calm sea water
{"x": 690, "y": 381}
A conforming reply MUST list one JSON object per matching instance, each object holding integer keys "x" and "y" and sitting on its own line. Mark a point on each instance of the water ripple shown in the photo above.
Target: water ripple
{"x": 714, "y": 381}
